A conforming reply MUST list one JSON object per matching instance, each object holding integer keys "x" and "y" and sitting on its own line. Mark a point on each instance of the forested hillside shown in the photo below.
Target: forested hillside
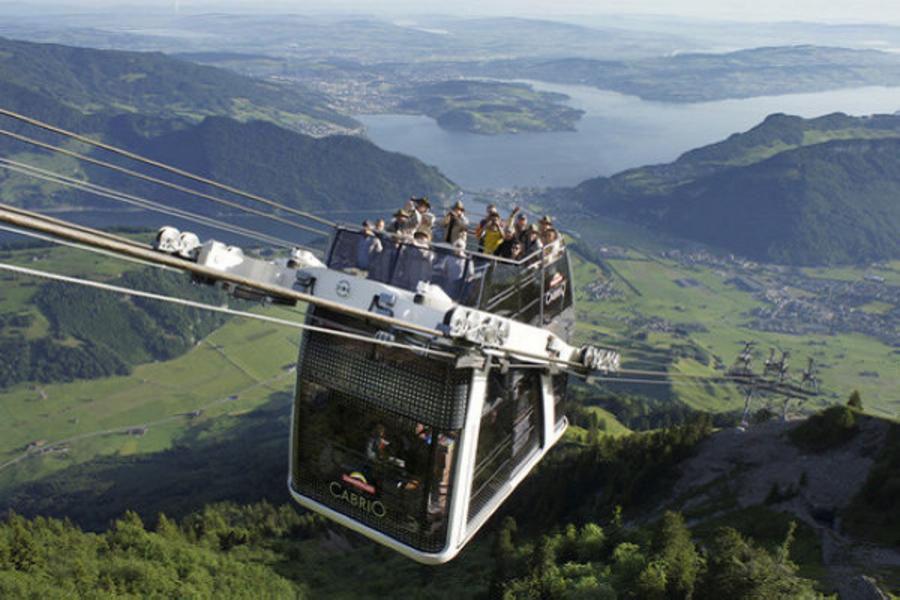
{"x": 584, "y": 526}
{"x": 810, "y": 192}
{"x": 336, "y": 172}
{"x": 155, "y": 84}
{"x": 92, "y": 333}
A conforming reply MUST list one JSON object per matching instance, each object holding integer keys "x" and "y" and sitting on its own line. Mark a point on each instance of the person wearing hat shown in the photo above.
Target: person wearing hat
{"x": 455, "y": 224}
{"x": 493, "y": 234}
{"x": 422, "y": 217}
{"x": 482, "y": 225}
{"x": 532, "y": 241}
{"x": 520, "y": 227}
{"x": 545, "y": 223}
{"x": 368, "y": 246}
{"x": 400, "y": 224}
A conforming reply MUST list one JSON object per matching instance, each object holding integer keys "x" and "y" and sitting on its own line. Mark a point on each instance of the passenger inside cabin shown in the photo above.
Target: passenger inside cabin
{"x": 377, "y": 446}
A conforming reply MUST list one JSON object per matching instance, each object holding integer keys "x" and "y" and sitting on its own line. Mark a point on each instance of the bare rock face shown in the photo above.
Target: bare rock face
{"x": 861, "y": 587}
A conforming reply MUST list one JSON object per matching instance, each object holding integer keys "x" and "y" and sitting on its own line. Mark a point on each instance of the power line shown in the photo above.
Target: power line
{"x": 162, "y": 182}
{"x": 144, "y": 203}
{"x": 165, "y": 167}
{"x": 220, "y": 309}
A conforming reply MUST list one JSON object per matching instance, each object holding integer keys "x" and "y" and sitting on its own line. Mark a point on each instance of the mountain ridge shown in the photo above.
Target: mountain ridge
{"x": 793, "y": 190}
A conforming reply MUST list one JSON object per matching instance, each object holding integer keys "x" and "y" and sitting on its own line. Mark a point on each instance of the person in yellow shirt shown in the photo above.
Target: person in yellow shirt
{"x": 493, "y": 234}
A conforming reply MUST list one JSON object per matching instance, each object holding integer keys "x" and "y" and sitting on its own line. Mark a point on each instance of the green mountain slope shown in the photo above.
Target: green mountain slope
{"x": 818, "y": 191}
{"x": 153, "y": 83}
{"x": 334, "y": 172}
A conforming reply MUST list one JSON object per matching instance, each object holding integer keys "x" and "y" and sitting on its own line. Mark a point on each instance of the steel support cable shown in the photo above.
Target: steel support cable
{"x": 61, "y": 223}
{"x": 144, "y": 203}
{"x": 75, "y": 235}
{"x": 162, "y": 182}
{"x": 163, "y": 166}
{"x": 54, "y": 240}
{"x": 220, "y": 309}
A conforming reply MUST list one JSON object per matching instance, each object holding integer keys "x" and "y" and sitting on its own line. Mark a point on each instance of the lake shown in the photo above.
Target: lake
{"x": 616, "y": 133}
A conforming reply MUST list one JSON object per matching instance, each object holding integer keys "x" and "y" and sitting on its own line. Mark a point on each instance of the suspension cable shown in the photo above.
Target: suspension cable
{"x": 220, "y": 309}
{"x": 162, "y": 182}
{"x": 163, "y": 166}
{"x": 82, "y": 228}
{"x": 53, "y": 240}
{"x": 144, "y": 203}
{"x": 185, "y": 265}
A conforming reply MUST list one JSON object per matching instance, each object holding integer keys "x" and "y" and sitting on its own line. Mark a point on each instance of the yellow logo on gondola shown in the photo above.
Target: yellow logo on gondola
{"x": 373, "y": 507}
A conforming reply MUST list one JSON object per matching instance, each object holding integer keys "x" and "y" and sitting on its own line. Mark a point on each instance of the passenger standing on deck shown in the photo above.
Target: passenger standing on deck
{"x": 368, "y": 246}
{"x": 456, "y": 224}
{"x": 532, "y": 241}
{"x": 423, "y": 217}
{"x": 415, "y": 263}
{"x": 520, "y": 227}
{"x": 482, "y": 226}
{"x": 455, "y": 270}
{"x": 400, "y": 224}
{"x": 493, "y": 234}
{"x": 380, "y": 264}
{"x": 379, "y": 226}
{"x": 544, "y": 224}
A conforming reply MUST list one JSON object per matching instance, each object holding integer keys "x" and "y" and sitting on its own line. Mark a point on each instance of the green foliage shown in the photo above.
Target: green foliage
{"x": 110, "y": 333}
{"x": 873, "y": 514}
{"x": 491, "y": 107}
{"x": 153, "y": 84}
{"x": 592, "y": 480}
{"x": 666, "y": 564}
{"x": 825, "y": 430}
{"x": 855, "y": 401}
{"x": 736, "y": 568}
{"x": 129, "y": 560}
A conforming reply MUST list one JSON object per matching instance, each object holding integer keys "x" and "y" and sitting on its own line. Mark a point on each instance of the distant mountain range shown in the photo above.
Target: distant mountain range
{"x": 692, "y": 77}
{"x": 335, "y": 172}
{"x": 791, "y": 190}
{"x": 155, "y": 84}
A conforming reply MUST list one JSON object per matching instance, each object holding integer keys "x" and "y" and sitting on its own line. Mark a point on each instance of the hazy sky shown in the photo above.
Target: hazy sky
{"x": 854, "y": 11}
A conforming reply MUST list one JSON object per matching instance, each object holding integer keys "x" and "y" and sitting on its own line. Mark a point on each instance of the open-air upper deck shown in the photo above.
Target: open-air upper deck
{"x": 535, "y": 289}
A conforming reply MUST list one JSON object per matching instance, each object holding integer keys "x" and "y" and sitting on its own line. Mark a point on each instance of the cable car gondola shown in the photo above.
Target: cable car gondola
{"x": 415, "y": 447}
